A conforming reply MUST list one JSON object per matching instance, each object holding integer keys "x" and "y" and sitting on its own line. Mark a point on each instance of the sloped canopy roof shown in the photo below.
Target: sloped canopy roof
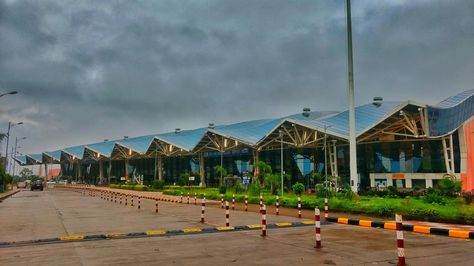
{"x": 249, "y": 132}
{"x": 76, "y": 151}
{"x": 138, "y": 144}
{"x": 451, "y": 113}
{"x": 20, "y": 159}
{"x": 34, "y": 158}
{"x": 367, "y": 116}
{"x": 104, "y": 148}
{"x": 53, "y": 155}
{"x": 185, "y": 139}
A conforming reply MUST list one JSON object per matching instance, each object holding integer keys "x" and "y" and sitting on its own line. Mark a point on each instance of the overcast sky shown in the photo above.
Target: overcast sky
{"x": 90, "y": 70}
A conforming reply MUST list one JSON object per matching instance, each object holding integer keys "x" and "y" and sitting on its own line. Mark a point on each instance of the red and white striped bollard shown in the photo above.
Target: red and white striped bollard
{"x": 317, "y": 227}
{"x": 326, "y": 209}
{"x": 299, "y": 207}
{"x": 264, "y": 220}
{"x": 400, "y": 241}
{"x": 227, "y": 223}
{"x": 233, "y": 201}
{"x": 246, "y": 203}
{"x": 277, "y": 205}
{"x": 203, "y": 207}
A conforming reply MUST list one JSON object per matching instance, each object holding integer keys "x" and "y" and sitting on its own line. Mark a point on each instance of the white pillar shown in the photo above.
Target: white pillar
{"x": 160, "y": 167}
{"x": 202, "y": 172}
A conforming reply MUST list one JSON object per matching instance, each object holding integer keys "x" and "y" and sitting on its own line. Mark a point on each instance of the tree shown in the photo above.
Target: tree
{"x": 264, "y": 169}
{"x": 25, "y": 173}
{"x": 2, "y": 136}
{"x": 222, "y": 172}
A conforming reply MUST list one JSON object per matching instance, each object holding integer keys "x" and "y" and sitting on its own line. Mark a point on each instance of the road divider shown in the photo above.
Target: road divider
{"x": 406, "y": 227}
{"x": 153, "y": 233}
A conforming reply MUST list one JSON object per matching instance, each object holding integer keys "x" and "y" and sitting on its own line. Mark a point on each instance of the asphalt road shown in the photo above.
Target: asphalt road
{"x": 34, "y": 215}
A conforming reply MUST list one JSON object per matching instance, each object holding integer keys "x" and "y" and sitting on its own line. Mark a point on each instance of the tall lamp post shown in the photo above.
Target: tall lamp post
{"x": 1, "y": 95}
{"x": 281, "y": 159}
{"x": 10, "y": 125}
{"x": 17, "y": 140}
{"x": 352, "y": 127}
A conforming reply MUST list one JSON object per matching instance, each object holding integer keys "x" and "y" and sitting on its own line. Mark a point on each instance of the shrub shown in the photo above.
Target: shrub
{"x": 254, "y": 189}
{"x": 182, "y": 181}
{"x": 158, "y": 184}
{"x": 238, "y": 188}
{"x": 434, "y": 198}
{"x": 384, "y": 210}
{"x": 274, "y": 181}
{"x": 423, "y": 213}
{"x": 448, "y": 187}
{"x": 298, "y": 188}
{"x": 468, "y": 197}
{"x": 140, "y": 188}
{"x": 322, "y": 191}
{"x": 222, "y": 189}
{"x": 346, "y": 193}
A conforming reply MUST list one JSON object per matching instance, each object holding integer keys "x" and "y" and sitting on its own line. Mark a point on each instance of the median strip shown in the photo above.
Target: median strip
{"x": 152, "y": 233}
{"x": 406, "y": 227}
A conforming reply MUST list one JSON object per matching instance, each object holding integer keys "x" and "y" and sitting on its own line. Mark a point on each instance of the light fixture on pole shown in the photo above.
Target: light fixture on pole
{"x": 10, "y": 125}
{"x": 9, "y": 93}
{"x": 280, "y": 132}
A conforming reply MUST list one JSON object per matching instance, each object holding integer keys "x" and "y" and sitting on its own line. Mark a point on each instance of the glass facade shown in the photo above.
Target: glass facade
{"x": 298, "y": 164}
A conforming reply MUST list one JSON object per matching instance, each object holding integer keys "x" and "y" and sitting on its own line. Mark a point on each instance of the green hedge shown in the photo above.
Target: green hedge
{"x": 453, "y": 210}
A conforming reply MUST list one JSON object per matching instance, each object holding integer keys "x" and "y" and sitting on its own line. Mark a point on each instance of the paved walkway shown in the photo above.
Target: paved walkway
{"x": 55, "y": 212}
{"x": 290, "y": 212}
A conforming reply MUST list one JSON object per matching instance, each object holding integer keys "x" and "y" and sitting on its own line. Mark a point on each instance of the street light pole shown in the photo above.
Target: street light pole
{"x": 352, "y": 127}
{"x": 14, "y": 153}
{"x": 281, "y": 160}
{"x": 10, "y": 125}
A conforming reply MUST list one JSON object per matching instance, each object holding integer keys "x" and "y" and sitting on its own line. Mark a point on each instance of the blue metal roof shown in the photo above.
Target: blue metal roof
{"x": 104, "y": 148}
{"x": 138, "y": 144}
{"x": 456, "y": 99}
{"x": 20, "y": 159}
{"x": 55, "y": 155}
{"x": 76, "y": 151}
{"x": 367, "y": 116}
{"x": 249, "y": 132}
{"x": 185, "y": 139}
{"x": 451, "y": 113}
{"x": 37, "y": 158}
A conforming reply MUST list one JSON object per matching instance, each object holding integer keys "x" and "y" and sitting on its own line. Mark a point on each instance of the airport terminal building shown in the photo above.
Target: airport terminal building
{"x": 405, "y": 144}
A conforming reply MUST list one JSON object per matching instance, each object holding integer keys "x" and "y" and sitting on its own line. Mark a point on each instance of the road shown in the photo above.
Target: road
{"x": 35, "y": 215}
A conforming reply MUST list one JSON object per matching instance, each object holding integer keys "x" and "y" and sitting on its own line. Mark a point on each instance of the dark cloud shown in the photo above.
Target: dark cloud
{"x": 89, "y": 70}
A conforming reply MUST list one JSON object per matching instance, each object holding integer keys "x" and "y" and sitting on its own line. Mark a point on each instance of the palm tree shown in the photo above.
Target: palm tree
{"x": 2, "y": 136}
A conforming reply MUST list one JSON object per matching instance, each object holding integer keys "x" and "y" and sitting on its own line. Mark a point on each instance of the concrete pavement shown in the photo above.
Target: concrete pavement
{"x": 29, "y": 215}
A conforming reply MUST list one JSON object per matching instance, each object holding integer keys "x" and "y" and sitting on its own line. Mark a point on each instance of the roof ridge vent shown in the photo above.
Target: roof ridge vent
{"x": 125, "y": 137}
{"x": 211, "y": 126}
{"x": 306, "y": 111}
{"x": 105, "y": 140}
{"x": 177, "y": 130}
{"x": 377, "y": 101}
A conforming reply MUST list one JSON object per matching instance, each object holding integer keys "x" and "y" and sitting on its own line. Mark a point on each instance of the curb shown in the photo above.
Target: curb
{"x": 152, "y": 233}
{"x": 8, "y": 195}
{"x": 406, "y": 227}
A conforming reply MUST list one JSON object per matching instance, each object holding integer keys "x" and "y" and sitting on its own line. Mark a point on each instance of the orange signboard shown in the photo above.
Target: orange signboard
{"x": 398, "y": 176}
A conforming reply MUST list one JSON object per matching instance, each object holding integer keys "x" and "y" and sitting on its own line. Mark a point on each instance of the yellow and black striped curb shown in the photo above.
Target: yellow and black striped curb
{"x": 8, "y": 194}
{"x": 153, "y": 233}
{"x": 406, "y": 227}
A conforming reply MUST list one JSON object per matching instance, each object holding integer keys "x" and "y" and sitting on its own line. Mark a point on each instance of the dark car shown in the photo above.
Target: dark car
{"x": 37, "y": 185}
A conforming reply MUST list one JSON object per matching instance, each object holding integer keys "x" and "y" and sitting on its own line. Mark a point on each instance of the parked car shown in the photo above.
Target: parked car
{"x": 38, "y": 184}
{"x": 21, "y": 185}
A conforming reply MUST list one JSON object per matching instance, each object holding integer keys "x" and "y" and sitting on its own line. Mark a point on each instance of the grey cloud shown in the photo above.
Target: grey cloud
{"x": 89, "y": 70}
